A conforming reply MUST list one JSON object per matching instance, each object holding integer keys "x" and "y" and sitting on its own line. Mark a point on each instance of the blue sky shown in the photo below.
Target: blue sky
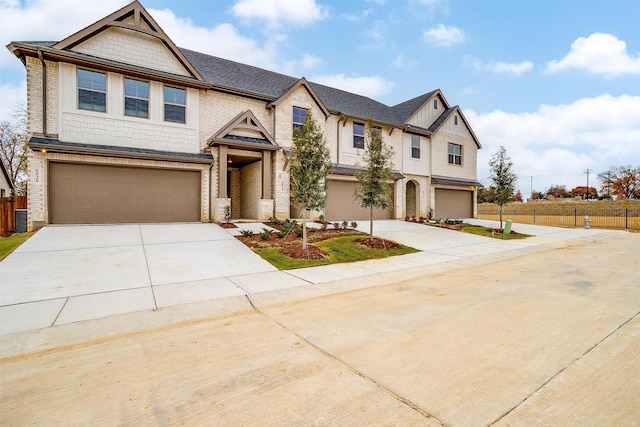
{"x": 556, "y": 82}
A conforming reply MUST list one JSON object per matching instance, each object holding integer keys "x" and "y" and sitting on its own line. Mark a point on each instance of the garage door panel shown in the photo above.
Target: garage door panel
{"x": 454, "y": 203}
{"x": 85, "y": 194}
{"x": 341, "y": 204}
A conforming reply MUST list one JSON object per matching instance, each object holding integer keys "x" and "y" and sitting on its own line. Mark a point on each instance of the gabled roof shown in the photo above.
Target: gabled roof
{"x": 244, "y": 121}
{"x": 406, "y": 109}
{"x": 445, "y": 115}
{"x": 6, "y": 175}
{"x": 143, "y": 23}
{"x": 305, "y": 84}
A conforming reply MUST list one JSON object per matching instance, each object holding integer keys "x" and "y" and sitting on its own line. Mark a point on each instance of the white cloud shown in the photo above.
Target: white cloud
{"x": 357, "y": 16}
{"x": 517, "y": 69}
{"x": 443, "y": 36}
{"x": 372, "y": 86}
{"x": 558, "y": 142}
{"x": 229, "y": 43}
{"x": 277, "y": 12}
{"x": 598, "y": 54}
{"x": 401, "y": 61}
{"x": 32, "y": 20}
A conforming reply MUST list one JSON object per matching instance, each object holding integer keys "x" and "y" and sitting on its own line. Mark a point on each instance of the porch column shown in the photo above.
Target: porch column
{"x": 222, "y": 172}
{"x": 266, "y": 174}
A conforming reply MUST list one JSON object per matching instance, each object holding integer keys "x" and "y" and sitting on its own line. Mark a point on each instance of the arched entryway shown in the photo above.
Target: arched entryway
{"x": 411, "y": 199}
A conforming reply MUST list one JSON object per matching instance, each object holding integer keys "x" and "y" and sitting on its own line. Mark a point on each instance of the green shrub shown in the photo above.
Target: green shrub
{"x": 265, "y": 233}
{"x": 246, "y": 233}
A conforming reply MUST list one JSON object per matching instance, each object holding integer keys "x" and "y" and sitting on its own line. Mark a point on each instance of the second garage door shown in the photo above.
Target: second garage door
{"x": 342, "y": 206}
{"x": 96, "y": 194}
{"x": 454, "y": 203}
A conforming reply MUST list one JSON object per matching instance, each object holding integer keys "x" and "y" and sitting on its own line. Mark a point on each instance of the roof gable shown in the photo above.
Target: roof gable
{"x": 446, "y": 115}
{"x": 6, "y": 175}
{"x": 244, "y": 131}
{"x": 132, "y": 17}
{"x": 305, "y": 84}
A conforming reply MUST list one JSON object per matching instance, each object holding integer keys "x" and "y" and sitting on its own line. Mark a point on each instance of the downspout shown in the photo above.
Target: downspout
{"x": 44, "y": 93}
{"x": 210, "y": 182}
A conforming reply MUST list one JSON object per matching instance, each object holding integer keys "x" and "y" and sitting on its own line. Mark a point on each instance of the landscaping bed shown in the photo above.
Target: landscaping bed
{"x": 331, "y": 244}
{"x": 458, "y": 225}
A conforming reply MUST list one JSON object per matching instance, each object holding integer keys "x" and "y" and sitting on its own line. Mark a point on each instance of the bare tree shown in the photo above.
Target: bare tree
{"x": 13, "y": 147}
{"x": 622, "y": 181}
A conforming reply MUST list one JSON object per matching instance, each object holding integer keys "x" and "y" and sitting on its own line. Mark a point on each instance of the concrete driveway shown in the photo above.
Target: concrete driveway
{"x": 66, "y": 274}
{"x": 547, "y": 338}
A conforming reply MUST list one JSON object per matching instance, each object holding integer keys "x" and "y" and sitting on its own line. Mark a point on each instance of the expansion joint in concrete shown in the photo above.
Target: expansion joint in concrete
{"x": 589, "y": 350}
{"x": 359, "y": 373}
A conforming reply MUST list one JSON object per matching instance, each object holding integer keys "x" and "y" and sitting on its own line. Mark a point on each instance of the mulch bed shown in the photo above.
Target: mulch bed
{"x": 291, "y": 245}
{"x": 227, "y": 225}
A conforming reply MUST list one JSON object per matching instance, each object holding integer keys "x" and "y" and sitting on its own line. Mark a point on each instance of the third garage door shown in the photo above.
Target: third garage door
{"x": 454, "y": 203}
{"x": 98, "y": 194}
{"x": 342, "y": 206}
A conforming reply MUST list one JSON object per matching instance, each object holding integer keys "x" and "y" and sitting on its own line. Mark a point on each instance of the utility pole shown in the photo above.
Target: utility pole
{"x": 588, "y": 171}
{"x": 531, "y": 192}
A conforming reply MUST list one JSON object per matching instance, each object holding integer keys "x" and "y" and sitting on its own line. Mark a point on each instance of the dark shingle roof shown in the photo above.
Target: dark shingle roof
{"x": 248, "y": 78}
{"x": 405, "y": 109}
{"x": 435, "y": 125}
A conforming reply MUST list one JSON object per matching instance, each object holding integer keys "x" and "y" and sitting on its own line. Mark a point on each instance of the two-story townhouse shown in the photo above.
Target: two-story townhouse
{"x": 126, "y": 127}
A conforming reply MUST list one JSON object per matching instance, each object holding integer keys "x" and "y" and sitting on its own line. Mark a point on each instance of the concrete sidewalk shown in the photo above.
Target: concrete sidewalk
{"x": 67, "y": 274}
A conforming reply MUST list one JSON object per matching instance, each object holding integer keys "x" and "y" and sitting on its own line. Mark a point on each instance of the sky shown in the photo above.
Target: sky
{"x": 557, "y": 83}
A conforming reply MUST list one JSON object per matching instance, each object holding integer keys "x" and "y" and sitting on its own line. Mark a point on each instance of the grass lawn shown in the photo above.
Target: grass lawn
{"x": 487, "y": 232}
{"x": 342, "y": 249}
{"x": 9, "y": 244}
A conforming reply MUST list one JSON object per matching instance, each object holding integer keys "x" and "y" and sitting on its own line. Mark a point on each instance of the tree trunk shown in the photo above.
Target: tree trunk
{"x": 501, "y": 217}
{"x": 371, "y": 222}
{"x": 304, "y": 229}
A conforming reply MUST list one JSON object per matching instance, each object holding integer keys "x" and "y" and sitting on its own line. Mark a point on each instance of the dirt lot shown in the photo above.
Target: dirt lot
{"x": 547, "y": 338}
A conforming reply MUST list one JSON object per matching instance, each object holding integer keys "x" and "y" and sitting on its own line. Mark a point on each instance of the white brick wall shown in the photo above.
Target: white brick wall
{"x": 132, "y": 47}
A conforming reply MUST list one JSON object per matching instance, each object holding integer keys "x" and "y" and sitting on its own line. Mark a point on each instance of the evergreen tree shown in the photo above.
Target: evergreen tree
{"x": 310, "y": 165}
{"x": 373, "y": 188}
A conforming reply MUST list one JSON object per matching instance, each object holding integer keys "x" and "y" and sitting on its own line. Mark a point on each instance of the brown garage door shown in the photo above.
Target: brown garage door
{"x": 96, "y": 194}
{"x": 342, "y": 206}
{"x": 454, "y": 203}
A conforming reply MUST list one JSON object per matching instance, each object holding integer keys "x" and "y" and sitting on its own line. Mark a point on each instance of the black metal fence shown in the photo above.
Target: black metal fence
{"x": 624, "y": 218}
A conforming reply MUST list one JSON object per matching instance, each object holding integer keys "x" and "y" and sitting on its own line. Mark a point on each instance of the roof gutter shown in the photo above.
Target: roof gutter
{"x": 44, "y": 92}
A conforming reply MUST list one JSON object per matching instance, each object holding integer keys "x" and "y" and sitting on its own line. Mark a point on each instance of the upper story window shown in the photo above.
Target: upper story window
{"x": 136, "y": 98}
{"x": 455, "y": 120}
{"x": 435, "y": 104}
{"x": 299, "y": 117}
{"x": 358, "y": 135}
{"x": 92, "y": 90}
{"x": 175, "y": 104}
{"x": 415, "y": 147}
{"x": 455, "y": 154}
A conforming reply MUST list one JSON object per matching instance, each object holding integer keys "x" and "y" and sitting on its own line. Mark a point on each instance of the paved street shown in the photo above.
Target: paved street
{"x": 547, "y": 337}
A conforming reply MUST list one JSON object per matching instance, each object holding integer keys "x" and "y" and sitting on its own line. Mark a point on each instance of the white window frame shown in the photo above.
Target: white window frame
{"x": 92, "y": 90}
{"x": 415, "y": 146}
{"x": 452, "y": 155}
{"x": 174, "y": 104}
{"x": 136, "y": 98}
{"x": 360, "y": 137}
{"x": 296, "y": 124}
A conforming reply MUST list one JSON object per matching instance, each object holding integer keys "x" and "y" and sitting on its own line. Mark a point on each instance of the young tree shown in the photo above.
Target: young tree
{"x": 310, "y": 165}
{"x": 13, "y": 147}
{"x": 622, "y": 181}
{"x": 503, "y": 178}
{"x": 373, "y": 188}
